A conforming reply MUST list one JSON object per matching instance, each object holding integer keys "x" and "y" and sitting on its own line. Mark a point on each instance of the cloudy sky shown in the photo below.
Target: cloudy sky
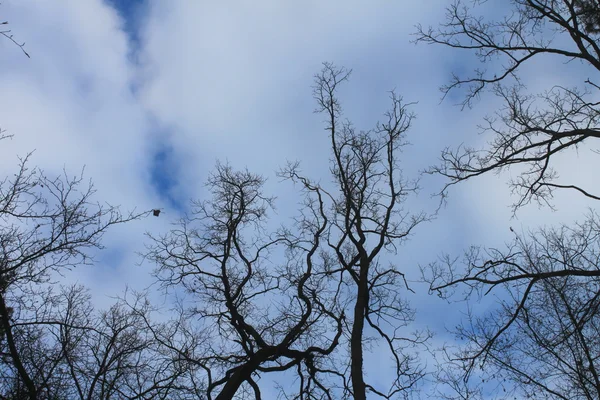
{"x": 148, "y": 95}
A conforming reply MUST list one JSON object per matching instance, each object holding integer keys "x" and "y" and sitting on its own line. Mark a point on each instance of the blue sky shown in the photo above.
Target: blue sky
{"x": 131, "y": 11}
{"x": 149, "y": 95}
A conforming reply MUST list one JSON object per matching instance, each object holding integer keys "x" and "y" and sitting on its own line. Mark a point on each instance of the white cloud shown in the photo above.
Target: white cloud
{"x": 235, "y": 82}
{"x": 72, "y": 103}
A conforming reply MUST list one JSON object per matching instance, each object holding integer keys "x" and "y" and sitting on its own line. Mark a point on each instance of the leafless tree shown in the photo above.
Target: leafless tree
{"x": 53, "y": 343}
{"x": 541, "y": 338}
{"x": 307, "y": 299}
{"x": 255, "y": 303}
{"x": 531, "y": 128}
{"x": 368, "y": 218}
{"x": 47, "y": 226}
{"x": 75, "y": 352}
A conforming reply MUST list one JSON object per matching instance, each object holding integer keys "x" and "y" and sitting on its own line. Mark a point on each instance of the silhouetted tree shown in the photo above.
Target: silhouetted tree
{"x": 541, "y": 340}
{"x": 257, "y": 304}
{"x": 47, "y": 226}
{"x": 530, "y": 129}
{"x": 368, "y": 218}
{"x": 542, "y": 337}
{"x": 304, "y": 298}
{"x": 73, "y": 351}
{"x": 53, "y": 343}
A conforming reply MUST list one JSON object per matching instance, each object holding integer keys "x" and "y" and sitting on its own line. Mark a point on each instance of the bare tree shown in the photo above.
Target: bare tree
{"x": 259, "y": 302}
{"x": 542, "y": 336}
{"x": 255, "y": 304}
{"x": 368, "y": 219}
{"x": 73, "y": 351}
{"x": 541, "y": 340}
{"x": 53, "y": 343}
{"x": 47, "y": 226}
{"x": 531, "y": 128}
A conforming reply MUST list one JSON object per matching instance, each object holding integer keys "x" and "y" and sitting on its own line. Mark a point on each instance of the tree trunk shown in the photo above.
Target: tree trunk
{"x": 356, "y": 340}
{"x": 14, "y": 354}
{"x": 237, "y": 378}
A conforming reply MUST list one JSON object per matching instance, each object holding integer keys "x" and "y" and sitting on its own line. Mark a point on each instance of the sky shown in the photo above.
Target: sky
{"x": 148, "y": 96}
